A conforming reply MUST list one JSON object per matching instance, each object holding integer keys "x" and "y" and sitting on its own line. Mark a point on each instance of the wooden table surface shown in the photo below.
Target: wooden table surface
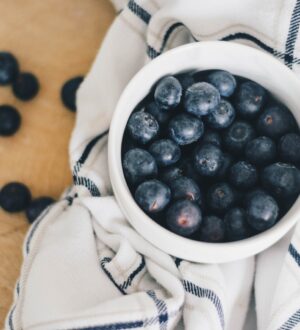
{"x": 55, "y": 40}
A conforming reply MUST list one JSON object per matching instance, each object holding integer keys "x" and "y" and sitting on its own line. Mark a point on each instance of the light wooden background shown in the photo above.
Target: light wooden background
{"x": 56, "y": 40}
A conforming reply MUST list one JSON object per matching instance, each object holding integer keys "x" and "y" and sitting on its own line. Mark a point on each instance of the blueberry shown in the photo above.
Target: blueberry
{"x": 68, "y": 92}
{"x": 212, "y": 229}
{"x": 185, "y": 129}
{"x": 220, "y": 197}
{"x": 201, "y": 98}
{"x": 9, "y": 68}
{"x": 221, "y": 116}
{"x": 170, "y": 173}
{"x": 10, "y": 120}
{"x": 261, "y": 150}
{"x": 276, "y": 121}
{"x": 249, "y": 100}
{"x": 184, "y": 217}
{"x": 160, "y": 115}
{"x": 14, "y": 197}
{"x": 208, "y": 159}
{"x": 37, "y": 206}
{"x": 25, "y": 86}
{"x": 224, "y": 82}
{"x": 243, "y": 175}
{"x": 236, "y": 224}
{"x": 224, "y": 169}
{"x": 186, "y": 80}
{"x": 262, "y": 211}
{"x": 138, "y": 165}
{"x": 281, "y": 180}
{"x": 152, "y": 196}
{"x": 289, "y": 148}
{"x": 166, "y": 152}
{"x": 142, "y": 127}
{"x": 168, "y": 93}
{"x": 212, "y": 137}
{"x": 238, "y": 135}
{"x": 185, "y": 188}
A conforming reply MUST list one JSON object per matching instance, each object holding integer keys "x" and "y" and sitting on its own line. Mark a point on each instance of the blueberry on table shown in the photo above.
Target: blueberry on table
{"x": 10, "y": 120}
{"x": 68, "y": 92}
{"x": 170, "y": 173}
{"x": 250, "y": 99}
{"x": 185, "y": 129}
{"x": 237, "y": 136}
{"x": 25, "y": 86}
{"x": 243, "y": 175}
{"x": 168, "y": 93}
{"x": 289, "y": 148}
{"x": 185, "y": 188}
{"x": 208, "y": 159}
{"x": 184, "y": 217}
{"x": 220, "y": 197}
{"x": 160, "y": 115}
{"x": 14, "y": 197}
{"x": 213, "y": 137}
{"x": 37, "y": 206}
{"x": 261, "y": 151}
{"x": 142, "y": 127}
{"x": 212, "y": 229}
{"x": 276, "y": 121}
{"x": 236, "y": 224}
{"x": 139, "y": 165}
{"x": 9, "y": 68}
{"x": 224, "y": 82}
{"x": 152, "y": 196}
{"x": 221, "y": 116}
{"x": 262, "y": 211}
{"x": 224, "y": 169}
{"x": 166, "y": 152}
{"x": 281, "y": 180}
{"x": 201, "y": 98}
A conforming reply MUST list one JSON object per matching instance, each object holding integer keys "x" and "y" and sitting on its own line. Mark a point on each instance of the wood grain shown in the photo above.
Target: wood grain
{"x": 55, "y": 40}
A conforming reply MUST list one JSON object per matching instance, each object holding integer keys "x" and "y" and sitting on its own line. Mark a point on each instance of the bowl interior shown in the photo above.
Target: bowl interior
{"x": 240, "y": 60}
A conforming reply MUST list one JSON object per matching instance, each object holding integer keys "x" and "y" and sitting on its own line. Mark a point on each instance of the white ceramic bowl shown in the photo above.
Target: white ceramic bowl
{"x": 239, "y": 60}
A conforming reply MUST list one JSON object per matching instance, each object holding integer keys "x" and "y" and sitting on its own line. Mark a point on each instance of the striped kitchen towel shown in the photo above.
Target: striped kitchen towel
{"x": 85, "y": 267}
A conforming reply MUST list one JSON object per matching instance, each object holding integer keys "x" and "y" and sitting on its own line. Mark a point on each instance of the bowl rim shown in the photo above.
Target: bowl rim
{"x": 117, "y": 177}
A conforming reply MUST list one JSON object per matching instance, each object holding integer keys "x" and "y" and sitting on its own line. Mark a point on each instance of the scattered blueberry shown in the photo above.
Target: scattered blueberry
{"x": 249, "y": 100}
{"x": 166, "y": 152}
{"x": 168, "y": 93}
{"x": 289, "y": 148}
{"x": 142, "y": 127}
{"x": 10, "y": 120}
{"x": 201, "y": 98}
{"x": 208, "y": 159}
{"x": 9, "y": 68}
{"x": 212, "y": 229}
{"x": 37, "y": 206}
{"x": 68, "y": 92}
{"x": 276, "y": 121}
{"x": 262, "y": 211}
{"x": 160, "y": 115}
{"x": 184, "y": 217}
{"x": 212, "y": 137}
{"x": 170, "y": 173}
{"x": 25, "y": 86}
{"x": 152, "y": 196}
{"x": 185, "y": 129}
{"x": 224, "y": 82}
{"x": 236, "y": 224}
{"x": 281, "y": 180}
{"x": 14, "y": 197}
{"x": 243, "y": 175}
{"x": 221, "y": 197}
{"x": 221, "y": 116}
{"x": 139, "y": 165}
{"x": 185, "y": 188}
{"x": 238, "y": 135}
{"x": 261, "y": 151}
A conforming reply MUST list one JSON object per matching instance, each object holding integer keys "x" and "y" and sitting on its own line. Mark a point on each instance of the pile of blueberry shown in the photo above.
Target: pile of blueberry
{"x": 212, "y": 156}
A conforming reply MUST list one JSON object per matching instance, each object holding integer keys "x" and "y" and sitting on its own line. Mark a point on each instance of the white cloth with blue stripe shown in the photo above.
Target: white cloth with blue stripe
{"x": 85, "y": 267}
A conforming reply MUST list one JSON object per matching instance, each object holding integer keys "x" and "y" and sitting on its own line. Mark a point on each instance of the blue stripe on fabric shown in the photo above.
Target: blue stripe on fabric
{"x": 292, "y": 34}
{"x": 103, "y": 262}
{"x": 206, "y": 293}
{"x": 295, "y": 254}
{"x": 162, "y": 310}
{"x": 10, "y": 319}
{"x": 178, "y": 261}
{"x": 139, "y": 11}
{"x": 117, "y": 326}
{"x": 291, "y": 322}
{"x": 131, "y": 277}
